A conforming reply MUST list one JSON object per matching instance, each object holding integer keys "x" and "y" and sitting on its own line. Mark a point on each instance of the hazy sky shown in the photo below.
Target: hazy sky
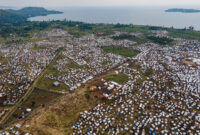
{"x": 54, "y": 3}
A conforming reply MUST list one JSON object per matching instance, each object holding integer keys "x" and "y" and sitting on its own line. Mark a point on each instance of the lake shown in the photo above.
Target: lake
{"x": 155, "y": 16}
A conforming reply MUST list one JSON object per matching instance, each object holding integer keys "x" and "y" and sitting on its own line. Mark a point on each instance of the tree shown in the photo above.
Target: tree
{"x": 191, "y": 28}
{"x": 33, "y": 104}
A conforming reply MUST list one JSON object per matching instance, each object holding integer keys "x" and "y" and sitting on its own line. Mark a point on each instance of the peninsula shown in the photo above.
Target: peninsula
{"x": 21, "y": 15}
{"x": 33, "y": 11}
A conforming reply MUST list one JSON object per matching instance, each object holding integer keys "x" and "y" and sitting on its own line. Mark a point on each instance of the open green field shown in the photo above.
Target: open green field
{"x": 51, "y": 69}
{"x": 73, "y": 65}
{"x": 139, "y": 40}
{"x": 3, "y": 60}
{"x": 47, "y": 84}
{"x": 126, "y": 52}
{"x": 161, "y": 40}
{"x": 120, "y": 78}
{"x": 39, "y": 47}
{"x": 185, "y": 34}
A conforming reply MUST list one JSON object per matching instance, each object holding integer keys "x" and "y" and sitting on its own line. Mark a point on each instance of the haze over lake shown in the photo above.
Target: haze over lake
{"x": 155, "y": 16}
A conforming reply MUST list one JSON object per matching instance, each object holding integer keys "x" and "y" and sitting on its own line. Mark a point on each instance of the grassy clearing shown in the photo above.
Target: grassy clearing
{"x": 139, "y": 40}
{"x": 47, "y": 84}
{"x": 73, "y": 65}
{"x": 51, "y": 69}
{"x": 161, "y": 40}
{"x": 126, "y": 52}
{"x": 39, "y": 47}
{"x": 186, "y": 34}
{"x": 3, "y": 60}
{"x": 120, "y": 78}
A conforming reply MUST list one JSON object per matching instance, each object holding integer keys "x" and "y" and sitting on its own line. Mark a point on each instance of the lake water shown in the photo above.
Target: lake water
{"x": 155, "y": 16}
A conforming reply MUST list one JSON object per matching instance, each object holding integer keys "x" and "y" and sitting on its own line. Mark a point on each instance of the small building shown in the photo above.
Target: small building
{"x": 56, "y": 84}
{"x": 28, "y": 110}
{"x": 100, "y": 33}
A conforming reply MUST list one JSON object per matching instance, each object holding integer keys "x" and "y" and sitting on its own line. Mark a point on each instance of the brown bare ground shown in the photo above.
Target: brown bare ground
{"x": 58, "y": 117}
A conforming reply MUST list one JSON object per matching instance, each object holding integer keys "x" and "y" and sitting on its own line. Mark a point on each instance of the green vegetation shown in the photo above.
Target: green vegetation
{"x": 38, "y": 98}
{"x": 19, "y": 16}
{"x": 185, "y": 34}
{"x": 39, "y": 47}
{"x": 32, "y": 11}
{"x": 120, "y": 78}
{"x": 131, "y": 28}
{"x": 77, "y": 30}
{"x": 73, "y": 65}
{"x": 7, "y": 17}
{"x": 126, "y": 52}
{"x": 21, "y": 30}
{"x": 148, "y": 73}
{"x": 139, "y": 40}
{"x": 3, "y": 60}
{"x": 47, "y": 84}
{"x": 161, "y": 40}
{"x": 14, "y": 23}
{"x": 51, "y": 69}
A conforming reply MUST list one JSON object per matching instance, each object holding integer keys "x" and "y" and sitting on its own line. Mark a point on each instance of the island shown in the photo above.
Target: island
{"x": 181, "y": 10}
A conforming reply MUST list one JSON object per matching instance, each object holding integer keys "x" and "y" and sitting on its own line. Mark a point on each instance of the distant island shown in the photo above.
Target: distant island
{"x": 11, "y": 15}
{"x": 181, "y": 10}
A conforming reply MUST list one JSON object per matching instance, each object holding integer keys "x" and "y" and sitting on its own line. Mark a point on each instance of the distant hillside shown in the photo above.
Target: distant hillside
{"x": 33, "y": 11}
{"x": 7, "y": 17}
{"x": 12, "y": 16}
{"x": 182, "y": 10}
